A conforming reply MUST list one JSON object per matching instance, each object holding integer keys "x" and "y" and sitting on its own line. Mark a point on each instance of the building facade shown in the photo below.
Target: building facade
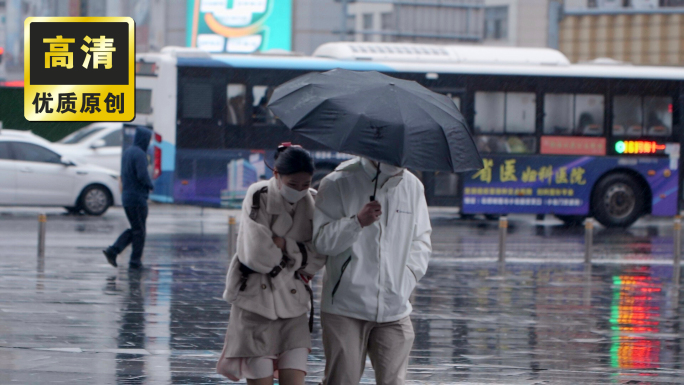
{"x": 648, "y": 32}
{"x": 315, "y": 22}
{"x": 644, "y": 32}
{"x": 423, "y": 21}
{"x": 158, "y": 23}
{"x": 521, "y": 23}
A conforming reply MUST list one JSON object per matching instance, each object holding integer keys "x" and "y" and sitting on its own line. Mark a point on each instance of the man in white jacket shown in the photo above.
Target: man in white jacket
{"x": 377, "y": 251}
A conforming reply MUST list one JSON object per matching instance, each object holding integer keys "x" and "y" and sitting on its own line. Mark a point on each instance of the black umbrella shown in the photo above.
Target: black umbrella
{"x": 389, "y": 120}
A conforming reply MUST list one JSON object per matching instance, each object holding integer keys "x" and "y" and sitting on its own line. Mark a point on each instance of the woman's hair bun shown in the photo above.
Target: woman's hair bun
{"x": 292, "y": 159}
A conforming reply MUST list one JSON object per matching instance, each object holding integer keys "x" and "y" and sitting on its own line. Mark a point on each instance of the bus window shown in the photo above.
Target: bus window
{"x": 489, "y": 112}
{"x": 568, "y": 114}
{"x": 558, "y": 114}
{"x": 237, "y": 94}
{"x": 642, "y": 116}
{"x": 505, "y": 113}
{"x": 658, "y": 114}
{"x": 143, "y": 101}
{"x": 520, "y": 112}
{"x": 260, "y": 112}
{"x": 507, "y": 144}
{"x": 197, "y": 100}
{"x": 456, "y": 100}
{"x": 627, "y": 116}
{"x": 498, "y": 112}
{"x": 589, "y": 110}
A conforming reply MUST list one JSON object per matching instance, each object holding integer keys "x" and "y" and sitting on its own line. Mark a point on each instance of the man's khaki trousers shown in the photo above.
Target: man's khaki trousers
{"x": 347, "y": 341}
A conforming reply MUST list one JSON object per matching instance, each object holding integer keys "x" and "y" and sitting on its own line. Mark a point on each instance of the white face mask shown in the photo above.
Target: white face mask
{"x": 390, "y": 170}
{"x": 291, "y": 195}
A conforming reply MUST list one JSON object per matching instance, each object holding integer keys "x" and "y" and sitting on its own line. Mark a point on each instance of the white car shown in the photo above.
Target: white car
{"x": 97, "y": 143}
{"x": 33, "y": 173}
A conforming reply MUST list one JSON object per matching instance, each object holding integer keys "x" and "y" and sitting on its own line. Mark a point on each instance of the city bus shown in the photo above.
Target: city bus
{"x": 597, "y": 139}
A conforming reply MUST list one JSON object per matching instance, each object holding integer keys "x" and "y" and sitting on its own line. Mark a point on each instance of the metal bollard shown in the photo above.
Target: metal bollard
{"x": 676, "y": 268}
{"x": 231, "y": 235}
{"x": 587, "y": 284}
{"x": 42, "y": 219}
{"x": 588, "y": 239}
{"x": 503, "y": 228}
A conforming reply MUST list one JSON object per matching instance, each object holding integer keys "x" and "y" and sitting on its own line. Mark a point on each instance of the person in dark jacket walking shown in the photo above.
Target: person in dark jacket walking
{"x": 136, "y": 189}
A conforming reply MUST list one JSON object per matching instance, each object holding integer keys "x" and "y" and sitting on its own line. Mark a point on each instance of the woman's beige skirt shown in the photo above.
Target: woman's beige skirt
{"x": 250, "y": 335}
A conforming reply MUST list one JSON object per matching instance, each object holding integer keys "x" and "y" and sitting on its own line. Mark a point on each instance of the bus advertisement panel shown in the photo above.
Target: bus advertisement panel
{"x": 562, "y": 184}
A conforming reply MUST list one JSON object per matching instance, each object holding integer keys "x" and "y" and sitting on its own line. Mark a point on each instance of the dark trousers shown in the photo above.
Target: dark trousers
{"x": 137, "y": 216}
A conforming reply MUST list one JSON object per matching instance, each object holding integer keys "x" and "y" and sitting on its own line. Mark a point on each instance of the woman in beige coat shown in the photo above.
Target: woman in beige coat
{"x": 268, "y": 332}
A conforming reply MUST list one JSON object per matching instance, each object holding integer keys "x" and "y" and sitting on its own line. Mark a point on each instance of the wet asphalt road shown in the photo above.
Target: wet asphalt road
{"x": 544, "y": 318}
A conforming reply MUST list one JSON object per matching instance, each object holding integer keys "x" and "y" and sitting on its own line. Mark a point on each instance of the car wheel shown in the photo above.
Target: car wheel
{"x": 95, "y": 200}
{"x": 618, "y": 200}
{"x": 571, "y": 220}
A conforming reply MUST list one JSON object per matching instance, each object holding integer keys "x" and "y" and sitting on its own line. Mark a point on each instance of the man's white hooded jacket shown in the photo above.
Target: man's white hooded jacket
{"x": 371, "y": 271}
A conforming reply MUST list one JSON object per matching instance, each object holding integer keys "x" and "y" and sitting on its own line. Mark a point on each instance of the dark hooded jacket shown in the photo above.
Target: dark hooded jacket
{"x": 134, "y": 175}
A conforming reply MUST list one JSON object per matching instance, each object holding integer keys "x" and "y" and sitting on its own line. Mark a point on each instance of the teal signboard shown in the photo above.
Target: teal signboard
{"x": 239, "y": 26}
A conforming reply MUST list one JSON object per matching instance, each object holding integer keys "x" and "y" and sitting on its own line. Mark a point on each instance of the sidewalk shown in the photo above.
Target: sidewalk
{"x": 71, "y": 318}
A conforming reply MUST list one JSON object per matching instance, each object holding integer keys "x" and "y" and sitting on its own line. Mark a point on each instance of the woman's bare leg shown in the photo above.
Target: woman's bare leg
{"x": 262, "y": 381}
{"x": 291, "y": 377}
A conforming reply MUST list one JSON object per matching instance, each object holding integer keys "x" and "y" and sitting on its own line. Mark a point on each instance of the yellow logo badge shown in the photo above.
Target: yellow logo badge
{"x": 79, "y": 69}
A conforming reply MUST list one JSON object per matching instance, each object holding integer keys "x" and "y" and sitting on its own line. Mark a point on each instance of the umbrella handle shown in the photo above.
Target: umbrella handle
{"x": 377, "y": 176}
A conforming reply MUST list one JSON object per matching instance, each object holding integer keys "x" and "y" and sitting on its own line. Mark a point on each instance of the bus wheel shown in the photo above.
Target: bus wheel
{"x": 571, "y": 220}
{"x": 618, "y": 200}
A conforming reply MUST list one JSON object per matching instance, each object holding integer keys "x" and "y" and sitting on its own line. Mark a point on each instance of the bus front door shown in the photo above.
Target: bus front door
{"x": 443, "y": 188}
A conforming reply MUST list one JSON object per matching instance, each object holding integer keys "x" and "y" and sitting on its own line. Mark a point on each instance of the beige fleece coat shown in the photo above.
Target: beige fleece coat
{"x": 284, "y": 296}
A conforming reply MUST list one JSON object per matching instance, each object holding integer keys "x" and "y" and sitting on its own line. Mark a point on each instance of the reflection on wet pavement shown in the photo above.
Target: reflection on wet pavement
{"x": 543, "y": 318}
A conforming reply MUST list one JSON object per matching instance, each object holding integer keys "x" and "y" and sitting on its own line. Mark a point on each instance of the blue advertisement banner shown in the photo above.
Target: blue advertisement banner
{"x": 561, "y": 184}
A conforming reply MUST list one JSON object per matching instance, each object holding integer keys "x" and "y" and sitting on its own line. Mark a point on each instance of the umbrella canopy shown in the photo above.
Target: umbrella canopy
{"x": 370, "y": 114}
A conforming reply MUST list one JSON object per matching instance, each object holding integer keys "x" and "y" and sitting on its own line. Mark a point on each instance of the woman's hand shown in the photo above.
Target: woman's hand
{"x": 280, "y": 242}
